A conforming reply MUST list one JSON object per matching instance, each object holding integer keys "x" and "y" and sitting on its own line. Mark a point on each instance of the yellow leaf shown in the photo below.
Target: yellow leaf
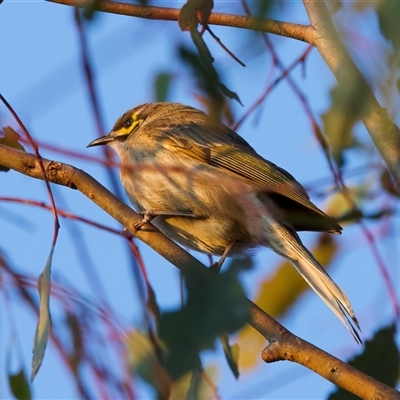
{"x": 195, "y": 385}
{"x": 143, "y": 360}
{"x": 341, "y": 205}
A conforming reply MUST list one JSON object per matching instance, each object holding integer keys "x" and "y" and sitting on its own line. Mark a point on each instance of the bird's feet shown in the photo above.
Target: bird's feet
{"x": 149, "y": 215}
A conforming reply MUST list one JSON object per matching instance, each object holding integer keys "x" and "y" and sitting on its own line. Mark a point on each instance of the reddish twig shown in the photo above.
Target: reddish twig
{"x": 218, "y": 40}
{"x": 35, "y": 148}
{"x": 68, "y": 298}
{"x": 285, "y": 73}
{"x": 88, "y": 71}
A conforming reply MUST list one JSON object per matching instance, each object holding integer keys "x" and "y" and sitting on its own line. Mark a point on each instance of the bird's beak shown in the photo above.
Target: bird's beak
{"x": 101, "y": 141}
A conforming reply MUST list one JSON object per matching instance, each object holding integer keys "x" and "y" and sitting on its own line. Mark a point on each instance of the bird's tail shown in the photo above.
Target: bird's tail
{"x": 288, "y": 244}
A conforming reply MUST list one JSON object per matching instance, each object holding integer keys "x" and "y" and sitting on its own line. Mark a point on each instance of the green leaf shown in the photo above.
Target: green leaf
{"x": 348, "y": 105}
{"x": 204, "y": 53}
{"x": 380, "y": 360}
{"x": 152, "y": 304}
{"x": 162, "y": 84}
{"x": 216, "y": 305}
{"x": 44, "y": 325}
{"x": 19, "y": 385}
{"x": 231, "y": 354}
{"x": 207, "y": 59}
{"x": 263, "y": 8}
{"x": 90, "y": 8}
{"x": 206, "y": 80}
{"x": 193, "y": 12}
{"x": 18, "y": 382}
{"x": 187, "y": 17}
{"x": 205, "y": 73}
{"x": 388, "y": 15}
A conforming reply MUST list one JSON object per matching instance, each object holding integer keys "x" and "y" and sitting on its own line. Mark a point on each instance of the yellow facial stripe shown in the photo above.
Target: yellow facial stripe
{"x": 124, "y": 131}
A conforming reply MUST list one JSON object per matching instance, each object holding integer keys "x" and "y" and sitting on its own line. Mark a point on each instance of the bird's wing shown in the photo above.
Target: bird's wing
{"x": 223, "y": 148}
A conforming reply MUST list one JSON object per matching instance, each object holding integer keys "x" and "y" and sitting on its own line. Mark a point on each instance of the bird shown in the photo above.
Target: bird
{"x": 206, "y": 188}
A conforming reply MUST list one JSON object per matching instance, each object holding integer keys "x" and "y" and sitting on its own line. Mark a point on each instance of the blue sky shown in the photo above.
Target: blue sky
{"x": 41, "y": 76}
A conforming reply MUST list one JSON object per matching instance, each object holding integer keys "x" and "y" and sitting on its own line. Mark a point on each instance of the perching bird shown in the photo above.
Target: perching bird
{"x": 209, "y": 190}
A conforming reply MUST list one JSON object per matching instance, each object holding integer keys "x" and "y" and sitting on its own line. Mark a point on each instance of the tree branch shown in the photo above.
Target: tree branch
{"x": 283, "y": 345}
{"x": 304, "y": 33}
{"x": 384, "y": 133}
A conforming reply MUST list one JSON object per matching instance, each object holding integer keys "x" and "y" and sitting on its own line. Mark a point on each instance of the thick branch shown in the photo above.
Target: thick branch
{"x": 283, "y": 345}
{"x": 384, "y": 133}
{"x": 304, "y": 33}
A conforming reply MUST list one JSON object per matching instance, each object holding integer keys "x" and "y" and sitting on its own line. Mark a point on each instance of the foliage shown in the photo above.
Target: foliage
{"x": 103, "y": 352}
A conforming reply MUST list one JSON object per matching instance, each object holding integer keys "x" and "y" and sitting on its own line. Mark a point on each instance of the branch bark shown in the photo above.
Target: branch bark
{"x": 304, "y": 33}
{"x": 283, "y": 345}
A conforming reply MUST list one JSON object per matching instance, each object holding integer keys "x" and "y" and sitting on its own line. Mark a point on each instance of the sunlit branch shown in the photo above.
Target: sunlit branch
{"x": 304, "y": 33}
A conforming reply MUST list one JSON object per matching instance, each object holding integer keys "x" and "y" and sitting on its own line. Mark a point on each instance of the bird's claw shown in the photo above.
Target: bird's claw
{"x": 149, "y": 215}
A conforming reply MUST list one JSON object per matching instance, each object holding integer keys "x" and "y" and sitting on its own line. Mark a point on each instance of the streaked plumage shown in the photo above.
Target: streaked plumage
{"x": 176, "y": 159}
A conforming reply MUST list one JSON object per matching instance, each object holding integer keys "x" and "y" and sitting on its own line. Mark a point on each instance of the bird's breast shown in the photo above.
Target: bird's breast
{"x": 216, "y": 198}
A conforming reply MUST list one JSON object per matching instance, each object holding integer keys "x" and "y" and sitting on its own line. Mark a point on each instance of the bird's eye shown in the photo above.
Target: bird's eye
{"x": 128, "y": 123}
